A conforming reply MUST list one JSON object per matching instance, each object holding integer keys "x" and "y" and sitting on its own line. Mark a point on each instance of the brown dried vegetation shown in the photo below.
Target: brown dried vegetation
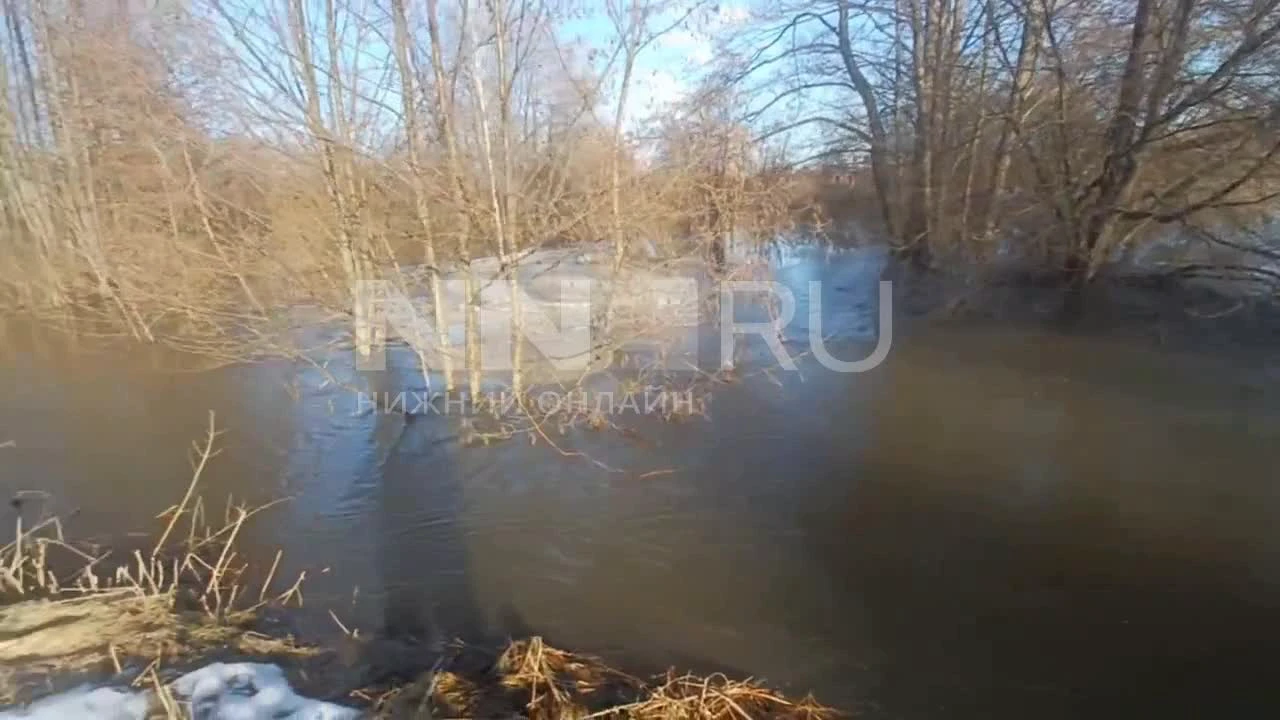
{"x": 534, "y": 681}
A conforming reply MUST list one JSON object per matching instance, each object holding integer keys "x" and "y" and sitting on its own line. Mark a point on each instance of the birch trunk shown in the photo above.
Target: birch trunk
{"x": 408, "y": 92}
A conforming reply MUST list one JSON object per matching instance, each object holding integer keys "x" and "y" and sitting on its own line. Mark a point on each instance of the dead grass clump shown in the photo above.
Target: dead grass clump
{"x": 527, "y": 680}
{"x": 716, "y": 697}
{"x": 556, "y": 682}
{"x": 41, "y": 638}
{"x": 108, "y": 633}
{"x": 530, "y": 680}
{"x": 27, "y": 564}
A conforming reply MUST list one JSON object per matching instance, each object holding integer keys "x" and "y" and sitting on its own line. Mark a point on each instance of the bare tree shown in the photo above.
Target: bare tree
{"x": 1070, "y": 149}
{"x": 409, "y": 97}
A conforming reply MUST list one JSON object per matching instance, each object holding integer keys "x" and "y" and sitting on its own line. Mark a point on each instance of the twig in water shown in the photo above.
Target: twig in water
{"x": 223, "y": 562}
{"x": 262, "y": 594}
{"x": 204, "y": 454}
{"x": 295, "y": 589}
{"x": 345, "y": 630}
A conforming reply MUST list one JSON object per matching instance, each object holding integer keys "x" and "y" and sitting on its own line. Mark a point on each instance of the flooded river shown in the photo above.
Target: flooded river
{"x": 992, "y": 524}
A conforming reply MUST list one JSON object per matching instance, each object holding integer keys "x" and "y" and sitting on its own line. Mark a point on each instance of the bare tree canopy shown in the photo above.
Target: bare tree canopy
{"x": 1072, "y": 127}
{"x": 182, "y": 172}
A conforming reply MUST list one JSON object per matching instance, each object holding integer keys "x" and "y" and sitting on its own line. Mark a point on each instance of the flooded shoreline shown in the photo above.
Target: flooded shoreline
{"x": 132, "y": 653}
{"x": 1000, "y": 520}
{"x": 1141, "y": 306}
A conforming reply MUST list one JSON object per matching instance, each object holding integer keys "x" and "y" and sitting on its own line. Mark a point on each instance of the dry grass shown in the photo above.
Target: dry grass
{"x": 113, "y": 634}
{"x": 717, "y": 697}
{"x": 68, "y": 611}
{"x": 194, "y": 559}
{"x": 530, "y": 680}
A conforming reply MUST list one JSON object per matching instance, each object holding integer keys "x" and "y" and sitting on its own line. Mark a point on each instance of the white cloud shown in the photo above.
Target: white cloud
{"x": 669, "y": 69}
{"x": 689, "y": 46}
{"x": 658, "y": 89}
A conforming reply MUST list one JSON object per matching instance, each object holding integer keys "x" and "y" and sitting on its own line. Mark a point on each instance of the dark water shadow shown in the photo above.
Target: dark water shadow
{"x": 424, "y": 595}
{"x": 1065, "y": 612}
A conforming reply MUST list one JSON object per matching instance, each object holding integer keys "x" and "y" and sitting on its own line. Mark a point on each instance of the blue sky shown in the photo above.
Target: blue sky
{"x": 671, "y": 65}
{"x": 668, "y": 68}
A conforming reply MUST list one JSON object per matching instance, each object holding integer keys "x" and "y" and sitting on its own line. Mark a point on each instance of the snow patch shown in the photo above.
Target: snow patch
{"x": 220, "y": 691}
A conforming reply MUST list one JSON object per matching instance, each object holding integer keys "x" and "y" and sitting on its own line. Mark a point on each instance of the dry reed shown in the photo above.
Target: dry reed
{"x": 72, "y": 611}
{"x": 534, "y": 681}
{"x": 202, "y": 566}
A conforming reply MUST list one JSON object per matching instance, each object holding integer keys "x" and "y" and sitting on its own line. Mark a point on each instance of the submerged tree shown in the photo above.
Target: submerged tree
{"x": 1015, "y": 118}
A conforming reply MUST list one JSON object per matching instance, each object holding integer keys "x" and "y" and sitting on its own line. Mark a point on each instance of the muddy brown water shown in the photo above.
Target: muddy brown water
{"x": 992, "y": 524}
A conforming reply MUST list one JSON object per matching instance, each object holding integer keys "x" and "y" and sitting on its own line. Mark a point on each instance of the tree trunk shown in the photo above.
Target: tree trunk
{"x": 881, "y": 164}
{"x": 408, "y": 92}
{"x": 1103, "y": 196}
{"x": 1023, "y": 73}
{"x": 458, "y": 192}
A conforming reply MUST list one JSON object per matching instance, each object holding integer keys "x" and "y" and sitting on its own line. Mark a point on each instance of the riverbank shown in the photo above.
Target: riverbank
{"x": 1167, "y": 310}
{"x": 143, "y": 660}
{"x": 188, "y": 629}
